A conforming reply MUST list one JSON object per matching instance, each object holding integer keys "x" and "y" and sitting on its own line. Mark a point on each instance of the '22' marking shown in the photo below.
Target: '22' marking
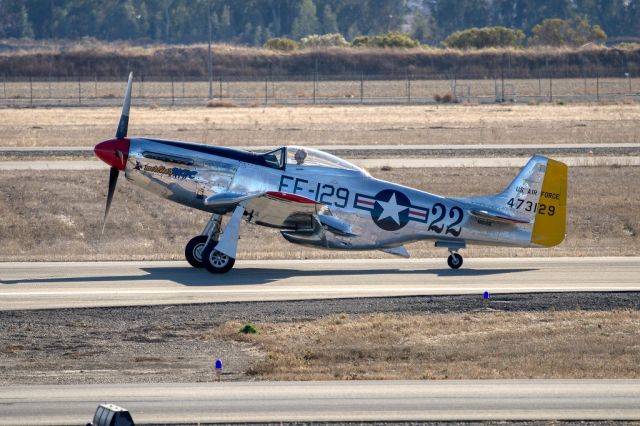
{"x": 455, "y": 213}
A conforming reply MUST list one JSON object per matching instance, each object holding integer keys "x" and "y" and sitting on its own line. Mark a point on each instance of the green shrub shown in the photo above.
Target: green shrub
{"x": 325, "y": 40}
{"x": 560, "y": 32}
{"x": 361, "y": 41}
{"x": 394, "y": 39}
{"x": 480, "y": 38}
{"x": 281, "y": 43}
{"x": 248, "y": 329}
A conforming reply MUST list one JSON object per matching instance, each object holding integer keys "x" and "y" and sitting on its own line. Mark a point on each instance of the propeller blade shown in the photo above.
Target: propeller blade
{"x": 123, "y": 125}
{"x": 113, "y": 180}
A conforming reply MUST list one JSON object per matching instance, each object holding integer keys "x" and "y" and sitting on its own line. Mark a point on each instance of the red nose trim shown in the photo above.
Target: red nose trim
{"x": 114, "y": 152}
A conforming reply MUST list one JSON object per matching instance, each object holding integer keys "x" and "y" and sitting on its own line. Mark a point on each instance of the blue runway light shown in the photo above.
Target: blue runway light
{"x": 218, "y": 364}
{"x": 485, "y": 295}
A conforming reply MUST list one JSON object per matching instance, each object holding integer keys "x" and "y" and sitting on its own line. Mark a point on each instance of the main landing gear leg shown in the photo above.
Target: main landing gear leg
{"x": 195, "y": 246}
{"x": 455, "y": 259}
{"x": 220, "y": 257}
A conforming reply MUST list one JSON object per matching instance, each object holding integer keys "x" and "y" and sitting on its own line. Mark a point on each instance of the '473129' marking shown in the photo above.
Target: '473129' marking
{"x": 528, "y": 206}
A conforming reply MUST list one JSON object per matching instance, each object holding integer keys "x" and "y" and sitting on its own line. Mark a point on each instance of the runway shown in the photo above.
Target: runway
{"x": 329, "y": 401}
{"x": 467, "y": 162}
{"x": 92, "y": 284}
{"x": 352, "y": 147}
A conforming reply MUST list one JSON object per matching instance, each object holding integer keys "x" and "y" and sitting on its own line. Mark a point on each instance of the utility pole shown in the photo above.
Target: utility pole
{"x": 210, "y": 58}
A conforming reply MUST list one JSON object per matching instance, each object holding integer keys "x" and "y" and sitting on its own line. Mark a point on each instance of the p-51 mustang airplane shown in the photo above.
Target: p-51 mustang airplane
{"x": 319, "y": 200}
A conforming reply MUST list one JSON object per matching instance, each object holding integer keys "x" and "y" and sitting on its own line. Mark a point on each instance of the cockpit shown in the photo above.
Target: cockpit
{"x": 308, "y": 158}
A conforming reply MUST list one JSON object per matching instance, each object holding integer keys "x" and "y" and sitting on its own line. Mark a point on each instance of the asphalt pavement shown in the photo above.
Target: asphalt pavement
{"x": 328, "y": 401}
{"x": 40, "y": 285}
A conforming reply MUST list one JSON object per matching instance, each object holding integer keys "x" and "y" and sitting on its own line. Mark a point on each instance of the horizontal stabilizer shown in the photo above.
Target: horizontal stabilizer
{"x": 496, "y": 217}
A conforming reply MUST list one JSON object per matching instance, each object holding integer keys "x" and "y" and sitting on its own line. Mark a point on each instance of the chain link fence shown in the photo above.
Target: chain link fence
{"x": 312, "y": 89}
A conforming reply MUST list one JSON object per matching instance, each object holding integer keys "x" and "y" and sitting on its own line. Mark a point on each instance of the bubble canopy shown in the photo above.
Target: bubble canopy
{"x": 294, "y": 155}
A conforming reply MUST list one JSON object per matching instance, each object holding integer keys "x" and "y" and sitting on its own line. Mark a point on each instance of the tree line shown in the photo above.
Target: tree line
{"x": 254, "y": 22}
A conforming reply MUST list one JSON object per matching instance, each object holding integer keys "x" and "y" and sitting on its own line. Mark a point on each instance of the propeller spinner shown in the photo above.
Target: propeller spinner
{"x": 114, "y": 152}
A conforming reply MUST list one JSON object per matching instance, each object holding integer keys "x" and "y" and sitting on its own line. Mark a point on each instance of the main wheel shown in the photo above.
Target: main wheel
{"x": 454, "y": 261}
{"x": 193, "y": 251}
{"x": 216, "y": 262}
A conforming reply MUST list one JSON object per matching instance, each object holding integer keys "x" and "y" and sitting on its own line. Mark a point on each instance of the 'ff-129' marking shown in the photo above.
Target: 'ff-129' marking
{"x": 327, "y": 194}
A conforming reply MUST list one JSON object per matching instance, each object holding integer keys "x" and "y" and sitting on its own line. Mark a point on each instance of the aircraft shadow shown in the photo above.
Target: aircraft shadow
{"x": 189, "y": 276}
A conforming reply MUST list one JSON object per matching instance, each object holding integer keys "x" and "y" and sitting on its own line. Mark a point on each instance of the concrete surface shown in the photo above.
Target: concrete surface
{"x": 362, "y": 162}
{"x": 328, "y": 401}
{"x": 89, "y": 284}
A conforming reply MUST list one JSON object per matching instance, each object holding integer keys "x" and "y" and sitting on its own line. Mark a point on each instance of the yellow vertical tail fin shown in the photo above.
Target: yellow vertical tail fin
{"x": 550, "y": 221}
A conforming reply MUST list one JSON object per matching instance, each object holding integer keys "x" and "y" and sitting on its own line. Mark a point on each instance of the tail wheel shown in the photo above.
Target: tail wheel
{"x": 454, "y": 261}
{"x": 193, "y": 251}
{"x": 215, "y": 261}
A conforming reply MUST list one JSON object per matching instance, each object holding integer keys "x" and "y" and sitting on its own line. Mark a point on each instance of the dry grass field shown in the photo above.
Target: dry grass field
{"x": 474, "y": 345}
{"x": 58, "y": 215}
{"x": 88, "y": 58}
{"x": 363, "y": 125}
{"x": 581, "y": 335}
{"x": 327, "y": 88}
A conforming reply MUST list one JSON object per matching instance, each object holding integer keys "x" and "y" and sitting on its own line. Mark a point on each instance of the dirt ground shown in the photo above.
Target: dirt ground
{"x": 58, "y": 216}
{"x": 307, "y": 125}
{"x": 564, "y": 335}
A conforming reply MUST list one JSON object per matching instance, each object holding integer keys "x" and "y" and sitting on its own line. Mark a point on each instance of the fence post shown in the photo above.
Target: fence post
{"x": 220, "y": 88}
{"x": 315, "y": 83}
{"x": 361, "y": 88}
{"x": 266, "y": 90}
{"x": 50, "y": 96}
{"x": 79, "y": 92}
{"x": 539, "y": 87}
{"x": 408, "y": 89}
{"x": 4, "y": 86}
{"x": 96, "y": 88}
{"x": 183, "y": 96}
{"x": 274, "y": 96}
{"x": 173, "y": 99}
{"x": 31, "y": 91}
{"x": 598, "y": 87}
{"x": 550, "y": 89}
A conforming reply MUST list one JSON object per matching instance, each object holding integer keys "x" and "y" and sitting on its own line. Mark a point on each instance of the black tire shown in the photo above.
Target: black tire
{"x": 454, "y": 261}
{"x": 216, "y": 262}
{"x": 193, "y": 251}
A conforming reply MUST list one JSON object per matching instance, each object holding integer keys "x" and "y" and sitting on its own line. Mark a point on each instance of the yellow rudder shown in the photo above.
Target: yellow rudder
{"x": 551, "y": 217}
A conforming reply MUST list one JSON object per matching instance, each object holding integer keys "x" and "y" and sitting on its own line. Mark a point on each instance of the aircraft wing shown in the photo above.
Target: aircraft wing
{"x": 272, "y": 208}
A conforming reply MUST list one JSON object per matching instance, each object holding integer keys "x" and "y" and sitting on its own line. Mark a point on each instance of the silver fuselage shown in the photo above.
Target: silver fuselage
{"x": 381, "y": 214}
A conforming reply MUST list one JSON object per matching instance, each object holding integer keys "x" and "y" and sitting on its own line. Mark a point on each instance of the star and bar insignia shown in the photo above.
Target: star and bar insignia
{"x": 390, "y": 209}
